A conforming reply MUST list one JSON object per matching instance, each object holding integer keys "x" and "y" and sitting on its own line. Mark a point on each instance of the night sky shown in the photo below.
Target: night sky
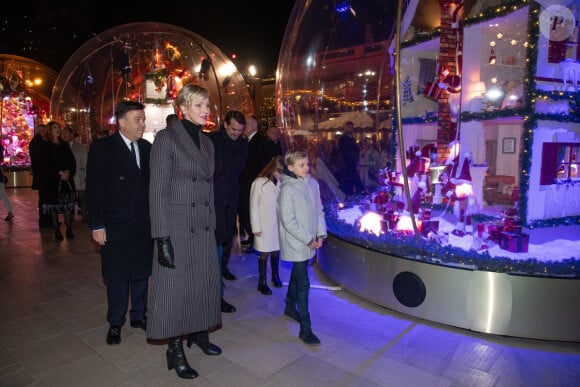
{"x": 51, "y": 32}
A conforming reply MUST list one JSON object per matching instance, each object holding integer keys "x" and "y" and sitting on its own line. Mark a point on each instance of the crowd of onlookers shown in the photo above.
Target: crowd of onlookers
{"x": 164, "y": 215}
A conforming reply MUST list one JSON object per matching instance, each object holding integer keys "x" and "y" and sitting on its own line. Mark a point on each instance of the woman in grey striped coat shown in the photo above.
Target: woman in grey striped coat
{"x": 184, "y": 297}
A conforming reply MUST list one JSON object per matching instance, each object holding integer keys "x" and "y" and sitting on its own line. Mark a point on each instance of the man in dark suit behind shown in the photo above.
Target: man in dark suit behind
{"x": 261, "y": 149}
{"x": 117, "y": 195}
{"x": 231, "y": 153}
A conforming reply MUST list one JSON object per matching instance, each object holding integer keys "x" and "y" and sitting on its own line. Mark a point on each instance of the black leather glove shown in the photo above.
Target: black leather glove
{"x": 165, "y": 252}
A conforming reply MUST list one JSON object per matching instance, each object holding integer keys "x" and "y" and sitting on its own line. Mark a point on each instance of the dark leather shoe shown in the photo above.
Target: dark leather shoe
{"x": 203, "y": 342}
{"x": 246, "y": 242}
{"x": 114, "y": 335}
{"x": 292, "y": 313}
{"x": 141, "y": 324}
{"x": 309, "y": 338}
{"x": 227, "y": 274}
{"x": 227, "y": 308}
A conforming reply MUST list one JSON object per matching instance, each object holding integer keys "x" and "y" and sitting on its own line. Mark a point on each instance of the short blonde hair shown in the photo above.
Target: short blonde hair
{"x": 291, "y": 156}
{"x": 188, "y": 93}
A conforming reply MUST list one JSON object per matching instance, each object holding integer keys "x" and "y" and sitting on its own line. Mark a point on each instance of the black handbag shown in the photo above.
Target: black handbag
{"x": 65, "y": 192}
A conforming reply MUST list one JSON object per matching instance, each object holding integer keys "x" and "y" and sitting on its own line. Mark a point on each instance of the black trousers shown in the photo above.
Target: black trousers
{"x": 244, "y": 212}
{"x": 118, "y": 292}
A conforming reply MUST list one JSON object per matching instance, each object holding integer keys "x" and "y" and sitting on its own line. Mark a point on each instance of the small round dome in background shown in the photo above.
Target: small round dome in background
{"x": 146, "y": 62}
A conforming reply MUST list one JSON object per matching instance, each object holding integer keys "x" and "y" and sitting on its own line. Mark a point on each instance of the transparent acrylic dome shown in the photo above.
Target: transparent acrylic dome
{"x": 334, "y": 67}
{"x": 147, "y": 62}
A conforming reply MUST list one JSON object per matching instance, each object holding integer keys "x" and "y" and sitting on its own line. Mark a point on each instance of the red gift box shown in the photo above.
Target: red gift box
{"x": 429, "y": 225}
{"x": 491, "y": 229}
{"x": 512, "y": 226}
{"x": 381, "y": 198}
{"x": 510, "y": 213}
{"x": 432, "y": 90}
{"x": 389, "y": 221}
{"x": 515, "y": 243}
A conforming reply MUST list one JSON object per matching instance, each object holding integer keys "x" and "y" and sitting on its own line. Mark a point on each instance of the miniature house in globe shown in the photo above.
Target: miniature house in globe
{"x": 466, "y": 135}
{"x": 146, "y": 62}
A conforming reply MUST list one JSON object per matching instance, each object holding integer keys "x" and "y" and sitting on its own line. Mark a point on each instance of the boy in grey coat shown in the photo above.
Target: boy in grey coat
{"x": 301, "y": 229}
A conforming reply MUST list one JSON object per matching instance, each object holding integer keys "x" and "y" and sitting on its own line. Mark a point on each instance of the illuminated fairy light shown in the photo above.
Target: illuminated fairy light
{"x": 463, "y": 190}
{"x": 371, "y": 221}
{"x": 406, "y": 224}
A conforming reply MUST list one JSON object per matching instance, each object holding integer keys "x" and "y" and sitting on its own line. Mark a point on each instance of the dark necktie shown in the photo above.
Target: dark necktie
{"x": 134, "y": 154}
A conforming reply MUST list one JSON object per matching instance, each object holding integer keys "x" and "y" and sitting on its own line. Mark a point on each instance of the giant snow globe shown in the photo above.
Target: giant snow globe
{"x": 420, "y": 140}
{"x": 146, "y": 62}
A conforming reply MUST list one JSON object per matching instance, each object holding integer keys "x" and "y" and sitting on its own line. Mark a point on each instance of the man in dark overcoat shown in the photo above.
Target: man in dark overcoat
{"x": 231, "y": 153}
{"x": 117, "y": 196}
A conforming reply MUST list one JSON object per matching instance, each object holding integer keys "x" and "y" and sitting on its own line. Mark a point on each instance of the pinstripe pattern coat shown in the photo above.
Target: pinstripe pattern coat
{"x": 185, "y": 299}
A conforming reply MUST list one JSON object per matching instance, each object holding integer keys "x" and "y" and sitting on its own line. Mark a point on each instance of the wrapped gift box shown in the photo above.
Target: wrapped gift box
{"x": 381, "y": 198}
{"x": 512, "y": 226}
{"x": 510, "y": 213}
{"x": 492, "y": 230}
{"x": 429, "y": 225}
{"x": 390, "y": 219}
{"x": 515, "y": 243}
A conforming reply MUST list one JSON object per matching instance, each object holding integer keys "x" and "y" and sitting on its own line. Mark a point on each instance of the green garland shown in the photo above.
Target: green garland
{"x": 419, "y": 120}
{"x": 480, "y": 116}
{"x": 405, "y": 246}
{"x": 529, "y": 108}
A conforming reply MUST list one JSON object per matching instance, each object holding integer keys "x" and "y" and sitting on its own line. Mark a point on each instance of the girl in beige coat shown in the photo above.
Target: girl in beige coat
{"x": 264, "y": 222}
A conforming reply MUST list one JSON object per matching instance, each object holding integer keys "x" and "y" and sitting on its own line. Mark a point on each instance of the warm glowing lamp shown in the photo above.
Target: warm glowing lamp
{"x": 477, "y": 92}
{"x": 478, "y": 89}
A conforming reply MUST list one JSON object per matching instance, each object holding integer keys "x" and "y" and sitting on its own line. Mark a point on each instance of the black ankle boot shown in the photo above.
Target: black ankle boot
{"x": 306, "y": 334}
{"x": 201, "y": 339}
{"x": 262, "y": 286}
{"x": 176, "y": 359}
{"x": 69, "y": 233}
{"x": 275, "y": 262}
{"x": 58, "y": 235}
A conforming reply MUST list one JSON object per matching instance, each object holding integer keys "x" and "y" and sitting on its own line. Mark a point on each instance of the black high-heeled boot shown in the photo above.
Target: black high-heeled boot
{"x": 262, "y": 285}
{"x": 55, "y": 223}
{"x": 176, "y": 359}
{"x": 68, "y": 220}
{"x": 275, "y": 262}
